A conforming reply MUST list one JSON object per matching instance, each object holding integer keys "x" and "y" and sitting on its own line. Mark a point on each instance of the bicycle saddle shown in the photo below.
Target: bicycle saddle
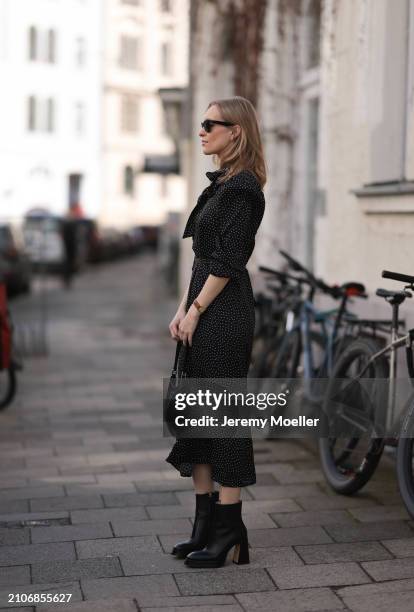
{"x": 354, "y": 289}
{"x": 393, "y": 297}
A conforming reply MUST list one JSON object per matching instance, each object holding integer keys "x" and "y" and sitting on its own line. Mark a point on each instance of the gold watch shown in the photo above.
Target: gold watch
{"x": 198, "y": 306}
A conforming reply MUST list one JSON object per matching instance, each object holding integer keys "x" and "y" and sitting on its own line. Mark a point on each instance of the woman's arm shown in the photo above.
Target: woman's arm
{"x": 211, "y": 288}
{"x": 184, "y": 300}
{"x": 178, "y": 317}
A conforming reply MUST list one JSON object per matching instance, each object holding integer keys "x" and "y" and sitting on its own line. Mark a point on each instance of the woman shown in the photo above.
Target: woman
{"x": 215, "y": 322}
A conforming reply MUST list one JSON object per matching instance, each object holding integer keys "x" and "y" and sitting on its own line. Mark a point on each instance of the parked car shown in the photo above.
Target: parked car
{"x": 43, "y": 241}
{"x": 15, "y": 266}
{"x": 88, "y": 239}
{"x": 137, "y": 239}
{"x": 95, "y": 243}
{"x": 43, "y": 236}
{"x": 151, "y": 235}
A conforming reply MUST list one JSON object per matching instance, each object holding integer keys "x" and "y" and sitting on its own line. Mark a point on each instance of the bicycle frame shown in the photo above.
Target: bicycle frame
{"x": 397, "y": 340}
{"x": 309, "y": 314}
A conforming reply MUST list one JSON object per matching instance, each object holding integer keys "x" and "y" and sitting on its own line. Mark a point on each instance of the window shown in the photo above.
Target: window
{"x": 129, "y": 113}
{"x": 80, "y": 51}
{"x": 41, "y": 114}
{"x": 33, "y": 43}
{"x": 74, "y": 190}
{"x": 42, "y": 45}
{"x": 313, "y": 34}
{"x": 166, "y": 59}
{"x": 31, "y": 113}
{"x": 165, "y": 6}
{"x": 386, "y": 91}
{"x": 79, "y": 118}
{"x": 129, "y": 180}
{"x": 51, "y": 46}
{"x": 50, "y": 115}
{"x": 131, "y": 53}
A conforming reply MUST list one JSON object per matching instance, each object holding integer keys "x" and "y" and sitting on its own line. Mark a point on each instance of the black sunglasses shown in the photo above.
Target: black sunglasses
{"x": 207, "y": 125}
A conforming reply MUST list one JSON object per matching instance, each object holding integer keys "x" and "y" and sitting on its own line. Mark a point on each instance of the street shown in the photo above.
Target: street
{"x": 89, "y": 507}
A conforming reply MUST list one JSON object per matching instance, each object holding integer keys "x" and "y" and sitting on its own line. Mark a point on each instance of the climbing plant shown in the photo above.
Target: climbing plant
{"x": 240, "y": 24}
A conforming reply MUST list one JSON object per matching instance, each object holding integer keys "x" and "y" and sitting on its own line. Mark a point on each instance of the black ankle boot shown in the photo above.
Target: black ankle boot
{"x": 227, "y": 530}
{"x": 205, "y": 504}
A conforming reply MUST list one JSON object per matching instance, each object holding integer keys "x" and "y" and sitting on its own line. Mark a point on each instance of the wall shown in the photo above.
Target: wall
{"x": 363, "y": 235}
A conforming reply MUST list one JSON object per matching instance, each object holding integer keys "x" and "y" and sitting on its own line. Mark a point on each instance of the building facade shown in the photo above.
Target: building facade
{"x": 367, "y": 130}
{"x": 51, "y": 106}
{"x": 335, "y": 97}
{"x": 82, "y": 121}
{"x": 145, "y": 50}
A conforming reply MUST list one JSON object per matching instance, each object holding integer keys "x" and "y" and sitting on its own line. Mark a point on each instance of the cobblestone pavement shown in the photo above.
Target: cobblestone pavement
{"x": 88, "y": 505}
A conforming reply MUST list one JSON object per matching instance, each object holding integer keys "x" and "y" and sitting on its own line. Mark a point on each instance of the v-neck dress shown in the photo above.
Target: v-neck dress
{"x": 223, "y": 225}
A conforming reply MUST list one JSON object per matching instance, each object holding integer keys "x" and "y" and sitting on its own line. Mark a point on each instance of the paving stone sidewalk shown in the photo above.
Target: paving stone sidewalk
{"x": 90, "y": 508}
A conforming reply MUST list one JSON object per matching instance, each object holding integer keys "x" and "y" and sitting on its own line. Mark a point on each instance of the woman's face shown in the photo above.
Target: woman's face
{"x": 216, "y": 141}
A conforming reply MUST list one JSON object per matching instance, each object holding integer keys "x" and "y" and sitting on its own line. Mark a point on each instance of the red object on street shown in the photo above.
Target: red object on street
{"x": 5, "y": 331}
{"x": 76, "y": 211}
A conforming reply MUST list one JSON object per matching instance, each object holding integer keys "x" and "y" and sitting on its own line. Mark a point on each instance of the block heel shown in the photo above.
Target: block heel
{"x": 241, "y": 552}
{"x": 227, "y": 531}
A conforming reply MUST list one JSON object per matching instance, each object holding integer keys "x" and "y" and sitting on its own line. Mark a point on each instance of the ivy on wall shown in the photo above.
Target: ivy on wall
{"x": 240, "y": 23}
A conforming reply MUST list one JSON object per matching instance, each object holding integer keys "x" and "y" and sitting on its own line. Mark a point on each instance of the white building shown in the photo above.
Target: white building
{"x": 50, "y": 119}
{"x": 81, "y": 117}
{"x": 145, "y": 49}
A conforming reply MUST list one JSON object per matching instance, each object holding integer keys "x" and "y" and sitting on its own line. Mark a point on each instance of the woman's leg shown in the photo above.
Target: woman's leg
{"x": 227, "y": 531}
{"x": 202, "y": 479}
{"x": 229, "y": 495}
{"x": 205, "y": 499}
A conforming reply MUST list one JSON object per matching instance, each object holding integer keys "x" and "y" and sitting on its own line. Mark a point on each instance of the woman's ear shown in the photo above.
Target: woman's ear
{"x": 236, "y": 130}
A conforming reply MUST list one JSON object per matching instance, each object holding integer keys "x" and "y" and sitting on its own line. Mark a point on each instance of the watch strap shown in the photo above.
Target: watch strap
{"x": 198, "y": 306}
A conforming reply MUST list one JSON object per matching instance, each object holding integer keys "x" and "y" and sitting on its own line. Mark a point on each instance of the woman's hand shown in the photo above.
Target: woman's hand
{"x": 188, "y": 325}
{"x": 174, "y": 325}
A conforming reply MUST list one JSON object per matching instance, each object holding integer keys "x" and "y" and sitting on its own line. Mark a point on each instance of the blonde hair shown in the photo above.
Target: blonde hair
{"x": 246, "y": 152}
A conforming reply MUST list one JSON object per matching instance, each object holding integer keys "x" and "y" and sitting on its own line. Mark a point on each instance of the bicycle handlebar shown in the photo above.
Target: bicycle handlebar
{"x": 403, "y": 278}
{"x": 283, "y": 276}
{"x": 333, "y": 291}
{"x": 294, "y": 263}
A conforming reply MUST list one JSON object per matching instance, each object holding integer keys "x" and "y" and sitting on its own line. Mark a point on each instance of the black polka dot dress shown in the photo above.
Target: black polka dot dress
{"x": 223, "y": 225}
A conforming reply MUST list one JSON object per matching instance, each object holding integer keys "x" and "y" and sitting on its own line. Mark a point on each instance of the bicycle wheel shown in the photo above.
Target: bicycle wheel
{"x": 405, "y": 472}
{"x": 316, "y": 387}
{"x": 288, "y": 356}
{"x": 8, "y": 384}
{"x": 348, "y": 462}
{"x": 263, "y": 356}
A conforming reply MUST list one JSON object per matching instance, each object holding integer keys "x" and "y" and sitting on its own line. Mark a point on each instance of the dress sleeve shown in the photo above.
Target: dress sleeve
{"x": 234, "y": 242}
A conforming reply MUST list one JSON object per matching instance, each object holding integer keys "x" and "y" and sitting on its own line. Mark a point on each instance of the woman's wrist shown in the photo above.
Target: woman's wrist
{"x": 193, "y": 311}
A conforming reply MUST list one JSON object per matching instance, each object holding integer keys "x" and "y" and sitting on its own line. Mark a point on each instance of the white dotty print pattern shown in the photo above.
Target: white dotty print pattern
{"x": 223, "y": 225}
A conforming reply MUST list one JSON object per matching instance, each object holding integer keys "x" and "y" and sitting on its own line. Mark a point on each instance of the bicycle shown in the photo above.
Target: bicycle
{"x": 317, "y": 348}
{"x": 349, "y": 461}
{"x": 271, "y": 320}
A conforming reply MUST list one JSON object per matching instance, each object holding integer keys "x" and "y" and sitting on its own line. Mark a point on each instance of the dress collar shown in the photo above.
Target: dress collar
{"x": 213, "y": 176}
